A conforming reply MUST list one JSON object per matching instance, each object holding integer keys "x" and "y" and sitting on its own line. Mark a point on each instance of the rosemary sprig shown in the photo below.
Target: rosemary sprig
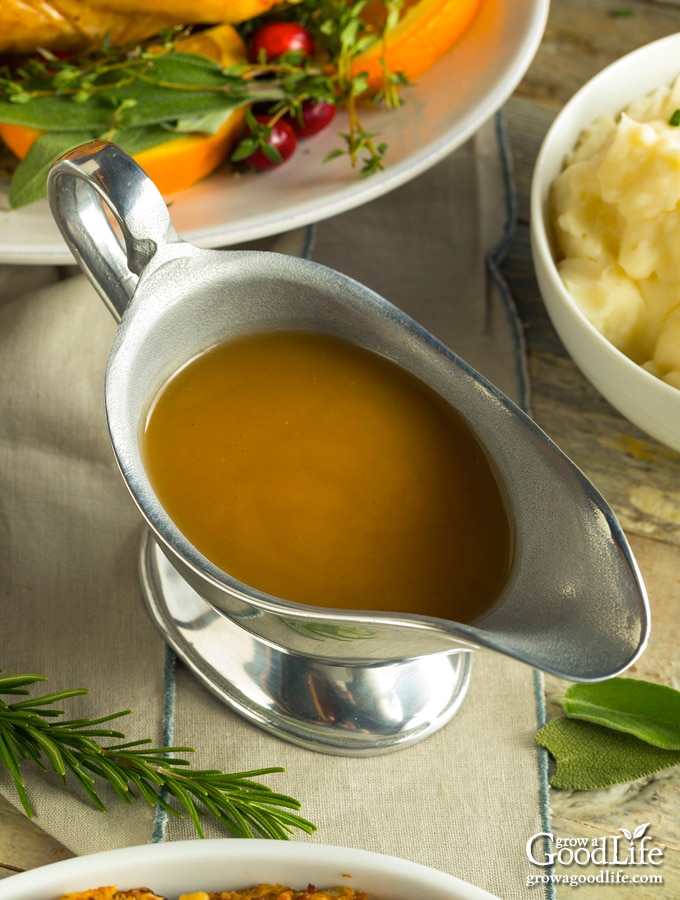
{"x": 141, "y": 96}
{"x": 31, "y": 731}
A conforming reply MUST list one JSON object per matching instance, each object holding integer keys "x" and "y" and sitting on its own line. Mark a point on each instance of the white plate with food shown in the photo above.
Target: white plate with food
{"x": 447, "y": 105}
{"x": 182, "y": 867}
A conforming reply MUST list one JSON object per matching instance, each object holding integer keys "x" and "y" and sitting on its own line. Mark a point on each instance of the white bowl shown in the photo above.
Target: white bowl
{"x": 213, "y": 865}
{"x": 647, "y": 401}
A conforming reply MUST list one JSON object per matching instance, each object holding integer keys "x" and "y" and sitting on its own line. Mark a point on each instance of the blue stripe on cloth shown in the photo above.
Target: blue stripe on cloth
{"x": 493, "y": 261}
{"x": 544, "y": 786}
{"x": 169, "y": 693}
{"x": 495, "y": 257}
{"x": 308, "y": 245}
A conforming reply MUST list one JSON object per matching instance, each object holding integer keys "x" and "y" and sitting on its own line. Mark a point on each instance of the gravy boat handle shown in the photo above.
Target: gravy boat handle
{"x": 80, "y": 191}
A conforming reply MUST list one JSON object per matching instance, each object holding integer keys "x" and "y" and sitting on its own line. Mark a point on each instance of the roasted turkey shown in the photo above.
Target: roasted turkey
{"x": 78, "y": 24}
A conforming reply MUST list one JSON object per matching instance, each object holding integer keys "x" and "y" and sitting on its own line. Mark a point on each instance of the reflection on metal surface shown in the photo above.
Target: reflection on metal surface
{"x": 345, "y": 709}
{"x": 321, "y": 631}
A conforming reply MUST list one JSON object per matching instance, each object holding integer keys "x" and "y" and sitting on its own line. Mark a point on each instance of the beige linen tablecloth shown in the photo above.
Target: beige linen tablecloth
{"x": 467, "y": 799}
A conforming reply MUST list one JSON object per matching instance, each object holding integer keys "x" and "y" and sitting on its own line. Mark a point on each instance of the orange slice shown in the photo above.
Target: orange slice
{"x": 222, "y": 43}
{"x": 177, "y": 164}
{"x": 181, "y": 162}
{"x": 426, "y": 31}
{"x": 19, "y": 138}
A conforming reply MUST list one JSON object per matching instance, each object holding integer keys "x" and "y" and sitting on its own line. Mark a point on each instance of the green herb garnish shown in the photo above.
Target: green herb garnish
{"x": 649, "y": 711}
{"x": 144, "y": 95}
{"x": 591, "y": 756}
{"x": 613, "y": 731}
{"x": 674, "y": 120}
{"x": 31, "y": 730}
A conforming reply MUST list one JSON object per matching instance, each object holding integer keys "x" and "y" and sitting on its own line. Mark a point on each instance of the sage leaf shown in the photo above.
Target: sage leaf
{"x": 56, "y": 114}
{"x": 29, "y": 181}
{"x": 139, "y": 106}
{"x": 649, "y": 711}
{"x": 136, "y": 140}
{"x": 30, "y": 178}
{"x": 589, "y": 756}
{"x": 210, "y": 123}
{"x": 172, "y": 87}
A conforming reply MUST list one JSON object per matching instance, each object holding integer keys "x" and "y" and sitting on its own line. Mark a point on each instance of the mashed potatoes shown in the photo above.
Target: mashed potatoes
{"x": 616, "y": 213}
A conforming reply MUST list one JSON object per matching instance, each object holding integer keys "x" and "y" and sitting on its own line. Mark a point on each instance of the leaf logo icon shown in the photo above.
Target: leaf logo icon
{"x": 638, "y": 833}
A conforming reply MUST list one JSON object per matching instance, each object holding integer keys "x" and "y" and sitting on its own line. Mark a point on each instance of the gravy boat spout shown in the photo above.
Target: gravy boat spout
{"x": 352, "y": 682}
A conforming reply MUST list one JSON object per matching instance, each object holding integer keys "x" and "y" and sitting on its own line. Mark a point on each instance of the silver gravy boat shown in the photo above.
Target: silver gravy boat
{"x": 344, "y": 682}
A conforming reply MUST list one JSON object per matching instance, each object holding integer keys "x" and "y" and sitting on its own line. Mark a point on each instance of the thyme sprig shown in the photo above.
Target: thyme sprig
{"x": 31, "y": 730}
{"x": 144, "y": 95}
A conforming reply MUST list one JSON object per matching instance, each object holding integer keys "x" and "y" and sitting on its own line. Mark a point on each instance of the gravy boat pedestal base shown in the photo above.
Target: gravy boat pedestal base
{"x": 345, "y": 709}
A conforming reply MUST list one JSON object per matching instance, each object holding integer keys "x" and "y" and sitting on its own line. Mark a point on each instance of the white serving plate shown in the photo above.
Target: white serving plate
{"x": 447, "y": 106}
{"x": 212, "y": 865}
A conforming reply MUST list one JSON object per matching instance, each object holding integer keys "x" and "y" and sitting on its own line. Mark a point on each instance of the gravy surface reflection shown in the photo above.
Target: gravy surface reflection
{"x": 324, "y": 474}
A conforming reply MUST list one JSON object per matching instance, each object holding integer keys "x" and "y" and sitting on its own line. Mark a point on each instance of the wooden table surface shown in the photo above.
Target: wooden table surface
{"x": 639, "y": 477}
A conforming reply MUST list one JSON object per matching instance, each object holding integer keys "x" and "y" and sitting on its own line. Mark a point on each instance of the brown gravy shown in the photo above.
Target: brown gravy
{"x": 324, "y": 474}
